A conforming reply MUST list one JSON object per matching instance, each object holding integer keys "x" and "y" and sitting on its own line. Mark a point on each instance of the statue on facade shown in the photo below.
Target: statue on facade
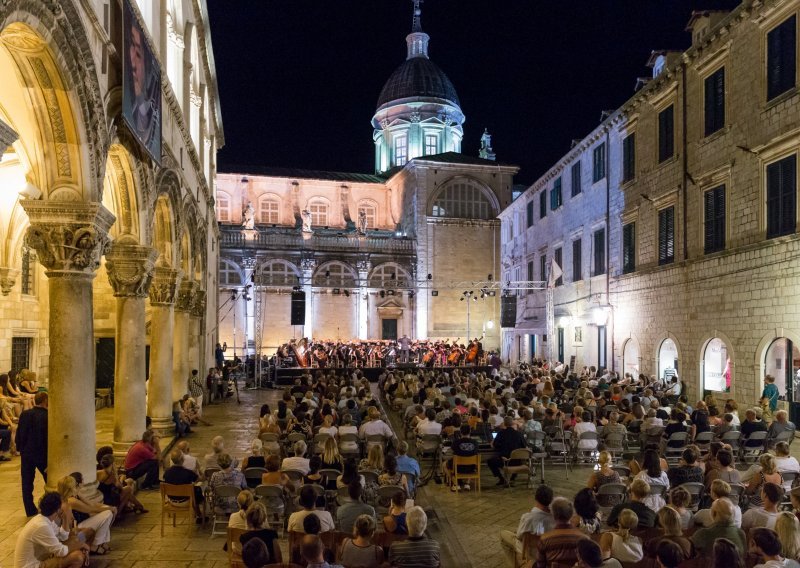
{"x": 249, "y": 216}
{"x": 306, "y": 216}
{"x": 362, "y": 222}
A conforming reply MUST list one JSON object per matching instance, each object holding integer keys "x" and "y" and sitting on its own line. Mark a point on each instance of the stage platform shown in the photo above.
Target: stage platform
{"x": 286, "y": 376}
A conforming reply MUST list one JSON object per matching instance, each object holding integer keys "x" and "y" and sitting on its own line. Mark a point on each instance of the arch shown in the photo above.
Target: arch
{"x": 193, "y": 96}
{"x": 278, "y": 272}
{"x": 463, "y": 197}
{"x": 122, "y": 194}
{"x": 381, "y": 276}
{"x": 230, "y": 274}
{"x": 165, "y": 231}
{"x": 716, "y": 359}
{"x": 335, "y": 274}
{"x": 269, "y": 209}
{"x": 320, "y": 209}
{"x": 631, "y": 357}
{"x": 764, "y": 346}
{"x": 660, "y": 342}
{"x": 370, "y": 207}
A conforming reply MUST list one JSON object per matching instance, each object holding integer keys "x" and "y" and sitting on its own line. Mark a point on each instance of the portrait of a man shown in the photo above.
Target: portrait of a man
{"x": 141, "y": 99}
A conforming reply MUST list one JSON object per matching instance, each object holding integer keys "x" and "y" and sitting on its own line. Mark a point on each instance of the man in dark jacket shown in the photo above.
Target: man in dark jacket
{"x": 507, "y": 440}
{"x": 31, "y": 441}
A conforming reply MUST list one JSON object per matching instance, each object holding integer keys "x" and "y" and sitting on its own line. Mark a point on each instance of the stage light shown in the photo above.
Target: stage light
{"x": 490, "y": 324}
{"x": 489, "y": 278}
{"x": 327, "y": 274}
{"x": 492, "y": 293}
{"x": 434, "y": 293}
{"x": 475, "y": 298}
{"x": 466, "y": 293}
{"x": 337, "y": 291}
{"x": 462, "y": 298}
{"x": 411, "y": 294}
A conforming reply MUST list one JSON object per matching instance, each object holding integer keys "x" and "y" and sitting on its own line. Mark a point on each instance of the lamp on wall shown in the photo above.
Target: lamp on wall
{"x": 600, "y": 314}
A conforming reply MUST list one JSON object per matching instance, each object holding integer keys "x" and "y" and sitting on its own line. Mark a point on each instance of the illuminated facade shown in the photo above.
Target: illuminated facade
{"x": 428, "y": 210}
{"x": 703, "y": 216}
{"x": 105, "y": 255}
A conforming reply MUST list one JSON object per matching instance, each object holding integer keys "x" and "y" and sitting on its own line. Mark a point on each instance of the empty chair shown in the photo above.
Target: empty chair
{"x": 271, "y": 442}
{"x": 675, "y": 445}
{"x": 703, "y": 441}
{"x": 272, "y": 498}
{"x": 220, "y": 517}
{"x": 523, "y": 460}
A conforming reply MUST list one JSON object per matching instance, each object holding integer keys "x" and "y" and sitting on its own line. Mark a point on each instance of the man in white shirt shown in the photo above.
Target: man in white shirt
{"x": 765, "y": 516}
{"x": 585, "y": 425}
{"x": 375, "y": 426}
{"x": 719, "y": 490}
{"x": 42, "y": 543}
{"x": 786, "y": 463}
{"x": 538, "y": 520}
{"x": 308, "y": 500}
{"x": 429, "y": 425}
{"x": 299, "y": 461}
{"x": 189, "y": 461}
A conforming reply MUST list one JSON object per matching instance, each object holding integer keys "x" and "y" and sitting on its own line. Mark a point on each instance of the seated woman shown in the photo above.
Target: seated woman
{"x": 349, "y": 474}
{"x": 395, "y": 521}
{"x": 359, "y": 550}
{"x": 274, "y": 476}
{"x": 680, "y": 500}
{"x": 620, "y": 543}
{"x": 586, "y": 517}
{"x": 256, "y": 457}
{"x": 769, "y": 474}
{"x": 331, "y": 459}
{"x": 604, "y": 473}
{"x": 27, "y": 382}
{"x": 227, "y": 476}
{"x": 670, "y": 522}
{"x": 393, "y": 477}
{"x": 724, "y": 469}
{"x": 77, "y": 512}
{"x": 653, "y": 475}
{"x": 328, "y": 427}
{"x": 256, "y": 520}
{"x": 115, "y": 492}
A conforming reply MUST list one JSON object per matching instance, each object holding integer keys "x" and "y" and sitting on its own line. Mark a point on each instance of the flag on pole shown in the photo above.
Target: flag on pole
{"x": 555, "y": 273}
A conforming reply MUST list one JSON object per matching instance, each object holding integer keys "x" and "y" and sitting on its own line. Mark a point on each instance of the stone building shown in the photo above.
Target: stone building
{"x": 109, "y": 241}
{"x": 703, "y": 231}
{"x": 362, "y": 246}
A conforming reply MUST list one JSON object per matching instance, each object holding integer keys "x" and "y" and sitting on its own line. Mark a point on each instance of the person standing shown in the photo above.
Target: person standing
{"x": 770, "y": 393}
{"x": 196, "y": 390}
{"x": 31, "y": 442}
{"x": 219, "y": 355}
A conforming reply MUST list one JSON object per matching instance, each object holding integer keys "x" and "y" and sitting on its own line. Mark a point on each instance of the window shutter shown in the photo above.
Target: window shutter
{"x": 543, "y": 204}
{"x": 715, "y": 102}
{"x": 788, "y": 195}
{"x": 629, "y": 157}
{"x": 576, "y": 179}
{"x": 599, "y": 252}
{"x": 666, "y": 133}
{"x": 530, "y": 213}
{"x": 557, "y": 256}
{"x": 781, "y": 58}
{"x": 628, "y": 248}
{"x": 710, "y": 226}
{"x": 577, "y": 261}
{"x": 666, "y": 235}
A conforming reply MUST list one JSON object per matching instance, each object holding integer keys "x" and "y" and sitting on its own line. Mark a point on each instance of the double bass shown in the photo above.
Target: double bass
{"x": 474, "y": 352}
{"x": 301, "y": 354}
{"x": 455, "y": 354}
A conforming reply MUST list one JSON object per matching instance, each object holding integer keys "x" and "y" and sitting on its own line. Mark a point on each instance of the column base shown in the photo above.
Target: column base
{"x": 121, "y": 448}
{"x": 165, "y": 428}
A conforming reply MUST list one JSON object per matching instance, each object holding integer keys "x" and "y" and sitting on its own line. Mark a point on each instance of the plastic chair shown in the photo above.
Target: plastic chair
{"x": 169, "y": 507}
{"x": 703, "y": 441}
{"x": 349, "y": 445}
{"x": 753, "y": 446}
{"x": 319, "y": 442}
{"x": 609, "y": 495}
{"x": 384, "y": 497}
{"x": 271, "y": 442}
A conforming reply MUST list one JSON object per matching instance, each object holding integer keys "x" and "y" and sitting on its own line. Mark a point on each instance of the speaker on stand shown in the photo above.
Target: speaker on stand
{"x": 298, "y": 308}
{"x": 508, "y": 311}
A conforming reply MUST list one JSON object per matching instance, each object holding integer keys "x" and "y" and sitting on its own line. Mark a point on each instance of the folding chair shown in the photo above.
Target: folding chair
{"x": 349, "y": 445}
{"x": 658, "y": 490}
{"x": 218, "y": 515}
{"x": 271, "y": 442}
{"x": 370, "y": 477}
{"x": 319, "y": 442}
{"x": 623, "y": 470}
{"x": 209, "y": 471}
{"x": 473, "y": 462}
{"x": 587, "y": 454}
{"x": 273, "y": 499}
{"x": 295, "y": 476}
{"x": 525, "y": 466}
{"x": 235, "y": 552}
{"x": 674, "y": 447}
{"x": 653, "y": 435}
{"x": 609, "y": 495}
{"x": 737, "y": 490}
{"x": 253, "y": 476}
{"x": 703, "y": 441}
{"x": 170, "y": 507}
{"x": 696, "y": 490}
{"x": 789, "y": 479}
{"x": 560, "y": 451}
{"x": 615, "y": 445}
{"x": 753, "y": 446}
{"x": 732, "y": 438}
{"x": 375, "y": 440}
{"x": 530, "y": 543}
{"x": 384, "y": 498}
{"x": 785, "y": 436}
{"x": 329, "y": 477}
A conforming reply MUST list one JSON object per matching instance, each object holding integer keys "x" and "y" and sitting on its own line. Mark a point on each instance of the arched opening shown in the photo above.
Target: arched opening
{"x": 716, "y": 365}
{"x": 389, "y": 275}
{"x": 164, "y": 230}
{"x": 121, "y": 195}
{"x": 463, "y": 198}
{"x": 782, "y": 361}
{"x": 631, "y": 358}
{"x": 667, "y": 359}
{"x": 370, "y": 211}
{"x": 278, "y": 273}
{"x": 335, "y": 275}
{"x": 229, "y": 274}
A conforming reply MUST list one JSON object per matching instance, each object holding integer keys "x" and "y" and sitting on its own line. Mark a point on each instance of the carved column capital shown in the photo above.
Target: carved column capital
{"x": 69, "y": 236}
{"x": 165, "y": 284}
{"x": 199, "y": 306}
{"x": 187, "y": 293}
{"x": 8, "y": 277}
{"x": 130, "y": 269}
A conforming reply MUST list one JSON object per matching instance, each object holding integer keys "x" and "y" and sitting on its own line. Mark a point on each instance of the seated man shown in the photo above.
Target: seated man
{"x": 722, "y": 527}
{"x": 408, "y": 465}
{"x": 538, "y": 520}
{"x": 508, "y": 439}
{"x": 719, "y": 490}
{"x": 179, "y": 475}
{"x": 639, "y": 491}
{"x": 417, "y": 550}
{"x": 312, "y": 551}
{"x": 349, "y": 511}
{"x": 308, "y": 500}
{"x": 44, "y": 544}
{"x": 463, "y": 446}
{"x": 142, "y": 460}
{"x": 767, "y": 544}
{"x": 560, "y": 544}
{"x": 751, "y": 424}
{"x": 767, "y": 514}
{"x": 780, "y": 425}
{"x": 687, "y": 469}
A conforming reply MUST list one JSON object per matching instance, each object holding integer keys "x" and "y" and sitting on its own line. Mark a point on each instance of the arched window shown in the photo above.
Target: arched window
{"x": 462, "y": 199}
{"x": 370, "y": 211}
{"x": 223, "y": 208}
{"x": 229, "y": 274}
{"x": 630, "y": 358}
{"x": 335, "y": 275}
{"x": 389, "y": 275}
{"x": 716, "y": 366}
{"x": 319, "y": 212}
{"x": 780, "y": 360}
{"x": 278, "y": 273}
{"x": 269, "y": 211}
{"x": 667, "y": 359}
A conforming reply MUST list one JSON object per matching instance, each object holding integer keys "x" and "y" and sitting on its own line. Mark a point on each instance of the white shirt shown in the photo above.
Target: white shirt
{"x": 39, "y": 540}
{"x": 759, "y": 518}
{"x": 296, "y": 521}
{"x": 429, "y": 427}
{"x": 189, "y": 462}
{"x": 376, "y": 428}
{"x": 300, "y": 464}
{"x": 582, "y": 427}
{"x": 703, "y": 517}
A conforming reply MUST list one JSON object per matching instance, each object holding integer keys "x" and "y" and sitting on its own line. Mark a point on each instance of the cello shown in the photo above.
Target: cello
{"x": 475, "y": 350}
{"x": 301, "y": 353}
{"x": 455, "y": 354}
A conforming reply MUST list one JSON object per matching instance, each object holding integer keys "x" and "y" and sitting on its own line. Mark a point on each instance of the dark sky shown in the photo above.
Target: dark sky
{"x": 299, "y": 79}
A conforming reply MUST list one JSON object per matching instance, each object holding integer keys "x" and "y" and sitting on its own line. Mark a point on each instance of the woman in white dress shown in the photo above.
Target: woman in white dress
{"x": 621, "y": 544}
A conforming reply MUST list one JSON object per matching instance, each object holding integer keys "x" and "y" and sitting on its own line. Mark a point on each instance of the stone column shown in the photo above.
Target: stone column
{"x": 362, "y": 305}
{"x": 163, "y": 293}
{"x": 307, "y": 265}
{"x": 130, "y": 270}
{"x": 196, "y": 333}
{"x": 180, "y": 345}
{"x": 69, "y": 239}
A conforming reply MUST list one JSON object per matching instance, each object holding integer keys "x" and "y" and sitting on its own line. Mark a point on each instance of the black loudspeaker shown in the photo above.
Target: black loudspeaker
{"x": 508, "y": 311}
{"x": 298, "y": 308}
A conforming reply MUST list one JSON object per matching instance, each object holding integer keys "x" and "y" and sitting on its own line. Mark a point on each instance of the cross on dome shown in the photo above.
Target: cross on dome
{"x": 416, "y": 25}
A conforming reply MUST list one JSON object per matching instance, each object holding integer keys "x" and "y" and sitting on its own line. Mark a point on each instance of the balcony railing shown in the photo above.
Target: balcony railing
{"x": 286, "y": 241}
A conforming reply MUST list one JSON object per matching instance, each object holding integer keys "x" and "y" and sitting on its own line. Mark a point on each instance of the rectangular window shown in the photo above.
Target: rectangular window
{"x": 629, "y": 248}
{"x": 270, "y": 212}
{"x": 577, "y": 260}
{"x": 400, "y": 150}
{"x": 714, "y": 218}
{"x": 543, "y": 204}
{"x": 28, "y": 272}
{"x": 431, "y": 144}
{"x": 319, "y": 214}
{"x": 599, "y": 163}
{"x": 715, "y": 101}
{"x": 543, "y": 268}
{"x": 781, "y": 58}
{"x": 576, "y": 179}
{"x": 223, "y": 209}
{"x": 599, "y": 252}
{"x": 629, "y": 157}
{"x": 666, "y": 134}
{"x": 21, "y": 353}
{"x": 666, "y": 235}
{"x": 555, "y": 195}
{"x": 557, "y": 258}
{"x": 531, "y": 275}
{"x": 782, "y": 197}
{"x": 530, "y": 214}
{"x": 602, "y": 347}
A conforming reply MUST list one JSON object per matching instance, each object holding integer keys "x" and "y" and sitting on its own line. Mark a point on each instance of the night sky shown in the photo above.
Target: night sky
{"x": 299, "y": 79}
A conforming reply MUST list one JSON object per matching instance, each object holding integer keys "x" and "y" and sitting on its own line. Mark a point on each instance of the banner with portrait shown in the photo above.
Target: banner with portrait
{"x": 141, "y": 85}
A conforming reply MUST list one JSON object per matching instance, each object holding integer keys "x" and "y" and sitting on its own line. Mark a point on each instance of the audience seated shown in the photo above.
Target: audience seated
{"x": 179, "y": 475}
{"x": 721, "y": 527}
{"x": 256, "y": 516}
{"x": 538, "y": 520}
{"x": 767, "y": 545}
{"x": 638, "y": 492}
{"x": 95, "y": 519}
{"x": 767, "y": 513}
{"x": 308, "y": 501}
{"x": 142, "y": 460}
{"x": 228, "y": 475}
{"x": 360, "y": 550}
{"x": 559, "y": 544}
{"x": 719, "y": 490}
{"x": 620, "y": 543}
{"x": 43, "y": 542}
{"x": 352, "y": 509}
{"x": 417, "y": 550}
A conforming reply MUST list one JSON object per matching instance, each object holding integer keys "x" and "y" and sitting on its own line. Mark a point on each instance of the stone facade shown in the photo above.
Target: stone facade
{"x": 721, "y": 289}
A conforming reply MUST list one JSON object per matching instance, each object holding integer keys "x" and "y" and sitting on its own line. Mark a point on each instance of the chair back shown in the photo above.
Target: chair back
{"x": 233, "y": 535}
{"x": 530, "y": 544}
{"x": 462, "y": 461}
{"x": 696, "y": 490}
{"x": 429, "y": 443}
{"x": 370, "y": 477}
{"x": 386, "y": 492}
{"x": 657, "y": 489}
{"x": 295, "y": 475}
{"x": 615, "y": 441}
{"x": 731, "y": 437}
{"x": 211, "y": 470}
{"x": 622, "y": 470}
{"x": 319, "y": 490}
{"x": 520, "y": 454}
{"x": 268, "y": 437}
{"x": 349, "y": 437}
{"x": 329, "y": 475}
{"x": 183, "y": 491}
{"x": 295, "y": 436}
{"x": 319, "y": 441}
{"x": 253, "y": 476}
{"x": 269, "y": 492}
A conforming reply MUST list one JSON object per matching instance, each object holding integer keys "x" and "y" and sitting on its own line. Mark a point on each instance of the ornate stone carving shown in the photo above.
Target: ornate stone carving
{"x": 8, "y": 277}
{"x": 187, "y": 295}
{"x": 199, "y": 306}
{"x": 68, "y": 236}
{"x": 308, "y": 263}
{"x": 414, "y": 117}
{"x": 164, "y": 287}
{"x": 7, "y": 135}
{"x": 130, "y": 269}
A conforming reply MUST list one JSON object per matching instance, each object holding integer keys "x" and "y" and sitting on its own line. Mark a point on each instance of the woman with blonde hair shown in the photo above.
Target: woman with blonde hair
{"x": 604, "y": 474}
{"x": 331, "y": 458}
{"x": 670, "y": 523}
{"x": 788, "y": 528}
{"x": 620, "y": 543}
{"x": 373, "y": 461}
{"x": 328, "y": 427}
{"x": 256, "y": 457}
{"x": 769, "y": 474}
{"x": 75, "y": 512}
{"x": 548, "y": 389}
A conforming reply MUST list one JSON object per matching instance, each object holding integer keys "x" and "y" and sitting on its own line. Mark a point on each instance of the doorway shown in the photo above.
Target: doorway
{"x": 104, "y": 362}
{"x": 389, "y": 329}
